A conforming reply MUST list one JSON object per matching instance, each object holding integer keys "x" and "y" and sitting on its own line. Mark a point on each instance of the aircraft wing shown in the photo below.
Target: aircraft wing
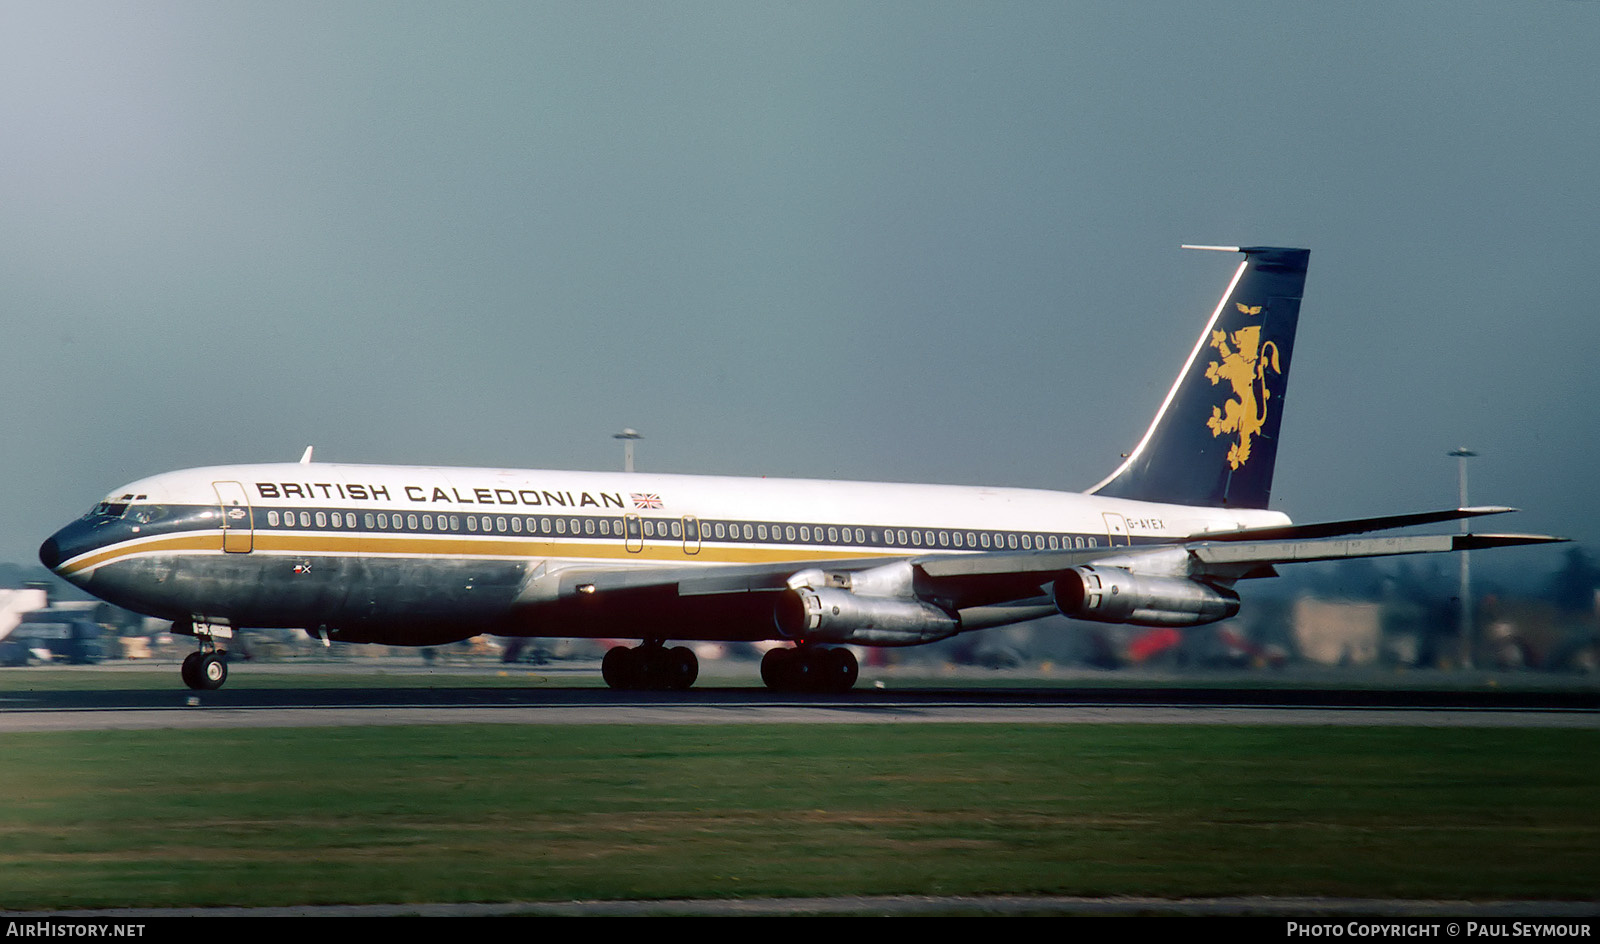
{"x": 1185, "y": 582}
{"x": 1222, "y": 557}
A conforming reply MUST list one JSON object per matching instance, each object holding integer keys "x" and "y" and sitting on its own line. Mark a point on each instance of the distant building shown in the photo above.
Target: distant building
{"x": 34, "y": 630}
{"x": 1337, "y": 633}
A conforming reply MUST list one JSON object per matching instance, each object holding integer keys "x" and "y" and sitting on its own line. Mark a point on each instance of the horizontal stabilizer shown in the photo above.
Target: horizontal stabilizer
{"x": 1330, "y": 529}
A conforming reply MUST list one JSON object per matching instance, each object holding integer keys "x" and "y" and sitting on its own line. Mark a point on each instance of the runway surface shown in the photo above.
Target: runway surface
{"x": 466, "y": 704}
{"x": 457, "y": 700}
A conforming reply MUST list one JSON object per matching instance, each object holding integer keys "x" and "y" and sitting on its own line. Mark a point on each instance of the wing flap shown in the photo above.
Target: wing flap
{"x": 998, "y": 563}
{"x": 1301, "y": 551}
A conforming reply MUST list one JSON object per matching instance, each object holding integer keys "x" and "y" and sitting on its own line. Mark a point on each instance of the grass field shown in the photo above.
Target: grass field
{"x": 529, "y": 813}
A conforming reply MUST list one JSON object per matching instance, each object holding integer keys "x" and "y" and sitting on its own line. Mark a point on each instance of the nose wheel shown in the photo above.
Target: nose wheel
{"x": 205, "y": 671}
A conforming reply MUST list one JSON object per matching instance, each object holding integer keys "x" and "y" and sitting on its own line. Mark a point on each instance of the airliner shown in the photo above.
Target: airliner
{"x": 422, "y": 556}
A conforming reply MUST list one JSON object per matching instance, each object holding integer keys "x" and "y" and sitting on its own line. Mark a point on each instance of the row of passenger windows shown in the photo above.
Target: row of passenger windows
{"x": 514, "y": 524}
{"x": 680, "y": 529}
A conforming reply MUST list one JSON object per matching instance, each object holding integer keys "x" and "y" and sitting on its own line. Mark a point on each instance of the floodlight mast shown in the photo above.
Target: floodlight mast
{"x": 628, "y": 435}
{"x": 1466, "y": 626}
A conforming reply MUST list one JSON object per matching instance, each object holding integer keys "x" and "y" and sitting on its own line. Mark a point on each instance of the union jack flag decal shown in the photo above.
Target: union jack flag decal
{"x": 645, "y": 499}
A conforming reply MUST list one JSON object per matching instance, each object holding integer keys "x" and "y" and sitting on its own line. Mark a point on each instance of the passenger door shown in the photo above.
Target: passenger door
{"x": 238, "y": 519}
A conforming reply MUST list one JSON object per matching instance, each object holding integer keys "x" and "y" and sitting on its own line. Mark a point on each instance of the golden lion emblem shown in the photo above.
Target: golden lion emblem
{"x": 1244, "y": 365}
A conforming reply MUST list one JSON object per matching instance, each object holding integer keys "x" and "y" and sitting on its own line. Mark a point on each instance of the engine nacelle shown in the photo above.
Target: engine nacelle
{"x": 829, "y": 614}
{"x": 1114, "y": 595}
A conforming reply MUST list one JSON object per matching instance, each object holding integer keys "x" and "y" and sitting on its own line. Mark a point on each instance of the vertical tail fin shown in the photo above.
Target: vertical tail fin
{"x": 1215, "y": 439}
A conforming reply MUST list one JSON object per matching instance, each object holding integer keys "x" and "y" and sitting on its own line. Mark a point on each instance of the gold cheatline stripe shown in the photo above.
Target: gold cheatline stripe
{"x": 203, "y": 541}
{"x": 325, "y": 544}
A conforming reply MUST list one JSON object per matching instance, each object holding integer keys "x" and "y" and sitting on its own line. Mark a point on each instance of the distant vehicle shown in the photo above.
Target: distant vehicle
{"x": 425, "y": 556}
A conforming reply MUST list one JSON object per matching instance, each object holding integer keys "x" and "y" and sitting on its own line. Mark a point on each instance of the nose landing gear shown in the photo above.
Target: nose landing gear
{"x": 207, "y": 668}
{"x": 205, "y": 671}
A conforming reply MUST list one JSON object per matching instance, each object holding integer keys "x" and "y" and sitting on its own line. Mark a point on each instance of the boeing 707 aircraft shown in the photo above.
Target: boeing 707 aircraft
{"x": 421, "y": 556}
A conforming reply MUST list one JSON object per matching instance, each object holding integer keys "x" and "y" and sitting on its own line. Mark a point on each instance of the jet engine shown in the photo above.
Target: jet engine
{"x": 829, "y": 614}
{"x": 1115, "y": 595}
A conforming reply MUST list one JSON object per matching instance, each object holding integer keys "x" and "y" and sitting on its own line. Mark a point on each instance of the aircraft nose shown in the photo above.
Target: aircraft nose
{"x": 50, "y": 554}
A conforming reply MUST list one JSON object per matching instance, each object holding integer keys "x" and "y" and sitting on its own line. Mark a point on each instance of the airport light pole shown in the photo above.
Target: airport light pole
{"x": 627, "y": 436}
{"x": 1462, "y": 455}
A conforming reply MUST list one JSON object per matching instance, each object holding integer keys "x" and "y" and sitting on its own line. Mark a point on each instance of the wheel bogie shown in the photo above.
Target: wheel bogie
{"x": 810, "y": 669}
{"x": 650, "y": 668}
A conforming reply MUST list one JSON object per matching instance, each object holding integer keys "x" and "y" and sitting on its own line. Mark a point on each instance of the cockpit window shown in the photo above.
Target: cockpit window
{"x": 144, "y": 514}
{"x": 108, "y": 510}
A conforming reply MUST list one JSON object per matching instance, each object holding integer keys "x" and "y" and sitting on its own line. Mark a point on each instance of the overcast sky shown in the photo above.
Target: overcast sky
{"x": 896, "y": 241}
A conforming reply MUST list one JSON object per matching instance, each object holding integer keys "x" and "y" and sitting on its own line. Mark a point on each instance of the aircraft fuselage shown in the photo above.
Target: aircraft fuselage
{"x": 415, "y": 555}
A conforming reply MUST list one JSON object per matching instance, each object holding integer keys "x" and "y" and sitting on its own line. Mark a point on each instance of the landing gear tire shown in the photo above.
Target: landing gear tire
{"x": 213, "y": 670}
{"x": 650, "y": 668}
{"x": 205, "y": 671}
{"x": 190, "y": 670}
{"x": 682, "y": 668}
{"x": 775, "y": 669}
{"x": 617, "y": 667}
{"x": 837, "y": 670}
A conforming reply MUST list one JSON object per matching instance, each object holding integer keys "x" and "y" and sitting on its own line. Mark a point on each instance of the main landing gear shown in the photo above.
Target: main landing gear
{"x": 651, "y": 666}
{"x": 810, "y": 669}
